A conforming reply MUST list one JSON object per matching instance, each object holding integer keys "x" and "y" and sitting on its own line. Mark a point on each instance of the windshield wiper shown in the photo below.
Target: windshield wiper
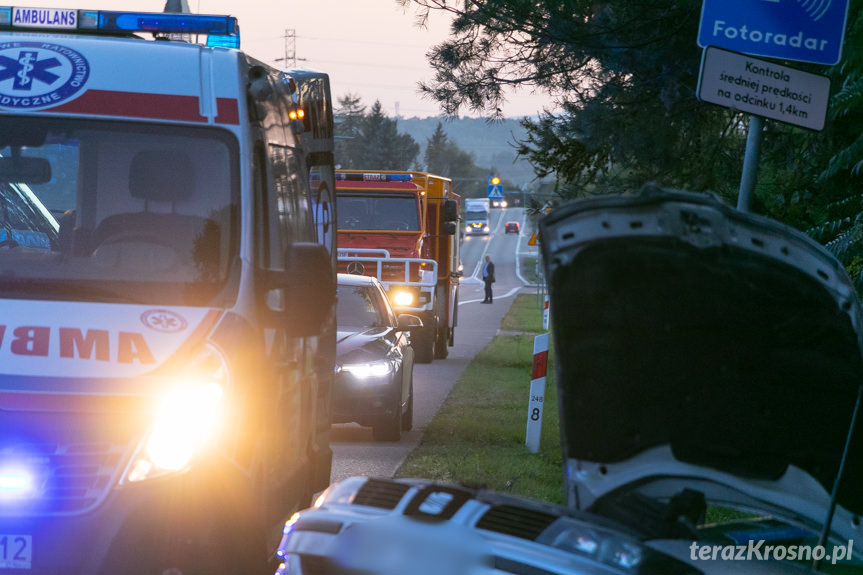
{"x": 59, "y": 290}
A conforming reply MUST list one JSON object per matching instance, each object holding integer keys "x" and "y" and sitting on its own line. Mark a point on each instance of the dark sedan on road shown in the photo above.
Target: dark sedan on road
{"x": 511, "y": 228}
{"x": 374, "y": 379}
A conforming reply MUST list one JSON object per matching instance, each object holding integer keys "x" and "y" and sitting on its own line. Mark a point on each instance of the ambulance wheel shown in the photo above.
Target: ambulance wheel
{"x": 441, "y": 349}
{"x": 423, "y": 341}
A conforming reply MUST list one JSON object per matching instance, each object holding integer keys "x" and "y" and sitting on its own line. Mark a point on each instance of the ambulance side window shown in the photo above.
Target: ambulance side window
{"x": 290, "y": 196}
{"x": 267, "y": 242}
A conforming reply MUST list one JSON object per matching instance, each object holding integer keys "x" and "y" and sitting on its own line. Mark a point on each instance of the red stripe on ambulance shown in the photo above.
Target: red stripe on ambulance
{"x": 140, "y": 105}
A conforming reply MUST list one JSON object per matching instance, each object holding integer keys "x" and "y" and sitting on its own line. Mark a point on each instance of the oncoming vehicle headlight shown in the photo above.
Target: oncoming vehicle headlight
{"x": 485, "y": 229}
{"x": 187, "y": 419}
{"x": 370, "y": 370}
{"x": 402, "y": 298}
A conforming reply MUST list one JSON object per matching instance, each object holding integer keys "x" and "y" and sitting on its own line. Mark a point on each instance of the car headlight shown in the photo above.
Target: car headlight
{"x": 599, "y": 544}
{"x": 402, "y": 298}
{"x": 485, "y": 229}
{"x": 467, "y": 228}
{"x": 369, "y": 370}
{"x": 186, "y": 421}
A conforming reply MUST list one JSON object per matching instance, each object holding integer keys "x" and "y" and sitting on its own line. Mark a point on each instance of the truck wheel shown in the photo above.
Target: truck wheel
{"x": 423, "y": 342}
{"x": 441, "y": 349}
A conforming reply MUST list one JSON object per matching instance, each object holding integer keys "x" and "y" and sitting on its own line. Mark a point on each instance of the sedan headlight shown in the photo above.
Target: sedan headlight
{"x": 187, "y": 420}
{"x": 370, "y": 370}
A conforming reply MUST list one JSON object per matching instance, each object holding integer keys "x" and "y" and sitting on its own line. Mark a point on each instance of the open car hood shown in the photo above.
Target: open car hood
{"x": 698, "y": 347}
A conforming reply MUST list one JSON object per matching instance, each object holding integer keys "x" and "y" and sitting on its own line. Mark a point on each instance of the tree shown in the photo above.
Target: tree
{"x": 444, "y": 158}
{"x": 624, "y": 75}
{"x": 371, "y": 140}
{"x": 349, "y": 117}
{"x": 383, "y": 148}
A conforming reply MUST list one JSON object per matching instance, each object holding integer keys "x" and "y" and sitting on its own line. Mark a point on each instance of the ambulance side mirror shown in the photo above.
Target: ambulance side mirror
{"x": 307, "y": 289}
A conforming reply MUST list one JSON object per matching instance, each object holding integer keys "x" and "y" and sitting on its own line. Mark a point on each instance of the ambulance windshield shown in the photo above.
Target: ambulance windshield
{"x": 108, "y": 211}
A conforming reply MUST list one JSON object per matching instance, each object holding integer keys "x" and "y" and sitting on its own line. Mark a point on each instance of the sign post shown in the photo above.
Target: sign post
{"x": 537, "y": 392}
{"x": 811, "y": 31}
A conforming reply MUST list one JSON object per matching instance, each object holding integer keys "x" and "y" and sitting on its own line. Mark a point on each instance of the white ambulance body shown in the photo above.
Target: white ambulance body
{"x": 166, "y": 309}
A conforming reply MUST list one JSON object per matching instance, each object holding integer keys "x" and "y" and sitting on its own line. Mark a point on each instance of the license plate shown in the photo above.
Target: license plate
{"x": 16, "y": 551}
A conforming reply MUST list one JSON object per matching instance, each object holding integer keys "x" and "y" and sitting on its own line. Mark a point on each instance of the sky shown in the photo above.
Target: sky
{"x": 370, "y": 48}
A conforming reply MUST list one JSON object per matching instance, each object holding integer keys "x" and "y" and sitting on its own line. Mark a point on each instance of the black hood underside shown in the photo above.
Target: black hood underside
{"x": 738, "y": 361}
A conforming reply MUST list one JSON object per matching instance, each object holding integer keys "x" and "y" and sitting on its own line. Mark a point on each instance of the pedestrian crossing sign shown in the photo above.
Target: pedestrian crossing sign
{"x": 495, "y": 192}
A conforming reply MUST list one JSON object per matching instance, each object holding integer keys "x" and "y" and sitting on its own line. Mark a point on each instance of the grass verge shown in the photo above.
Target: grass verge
{"x": 477, "y": 437}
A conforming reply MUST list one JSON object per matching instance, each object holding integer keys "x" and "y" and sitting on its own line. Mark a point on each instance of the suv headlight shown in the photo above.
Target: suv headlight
{"x": 186, "y": 421}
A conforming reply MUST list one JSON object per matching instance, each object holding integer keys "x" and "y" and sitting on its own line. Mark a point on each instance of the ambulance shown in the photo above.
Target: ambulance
{"x": 167, "y": 332}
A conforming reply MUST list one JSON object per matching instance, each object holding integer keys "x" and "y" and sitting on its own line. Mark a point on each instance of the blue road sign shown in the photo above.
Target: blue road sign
{"x": 495, "y": 192}
{"x": 801, "y": 30}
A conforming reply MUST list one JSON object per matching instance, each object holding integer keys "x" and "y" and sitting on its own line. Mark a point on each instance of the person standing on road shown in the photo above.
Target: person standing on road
{"x": 488, "y": 278}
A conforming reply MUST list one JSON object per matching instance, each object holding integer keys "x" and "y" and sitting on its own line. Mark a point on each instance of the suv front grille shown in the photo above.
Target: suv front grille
{"x": 380, "y": 493}
{"x": 516, "y": 521}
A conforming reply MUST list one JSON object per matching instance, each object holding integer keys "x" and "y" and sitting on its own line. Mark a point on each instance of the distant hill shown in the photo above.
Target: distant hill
{"x": 490, "y": 143}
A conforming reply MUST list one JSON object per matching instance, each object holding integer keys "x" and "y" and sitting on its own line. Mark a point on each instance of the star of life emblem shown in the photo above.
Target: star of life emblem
{"x": 36, "y": 75}
{"x": 164, "y": 320}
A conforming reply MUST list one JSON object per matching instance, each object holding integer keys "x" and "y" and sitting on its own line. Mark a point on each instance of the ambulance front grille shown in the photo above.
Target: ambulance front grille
{"x": 66, "y": 478}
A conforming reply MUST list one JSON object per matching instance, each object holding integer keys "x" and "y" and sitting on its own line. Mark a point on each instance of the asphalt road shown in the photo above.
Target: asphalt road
{"x": 354, "y": 452}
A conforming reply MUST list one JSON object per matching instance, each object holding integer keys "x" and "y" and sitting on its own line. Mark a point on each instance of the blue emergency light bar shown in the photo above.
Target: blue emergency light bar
{"x": 223, "y": 30}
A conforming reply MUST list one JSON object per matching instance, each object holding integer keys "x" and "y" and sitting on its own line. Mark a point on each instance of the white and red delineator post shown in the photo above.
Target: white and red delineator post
{"x": 537, "y": 392}
{"x": 545, "y": 314}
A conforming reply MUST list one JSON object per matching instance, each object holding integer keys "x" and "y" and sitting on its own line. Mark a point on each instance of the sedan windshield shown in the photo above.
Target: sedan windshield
{"x": 104, "y": 211}
{"x": 359, "y": 307}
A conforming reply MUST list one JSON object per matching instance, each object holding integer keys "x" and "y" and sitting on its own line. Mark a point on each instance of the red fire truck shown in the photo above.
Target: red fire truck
{"x": 401, "y": 228}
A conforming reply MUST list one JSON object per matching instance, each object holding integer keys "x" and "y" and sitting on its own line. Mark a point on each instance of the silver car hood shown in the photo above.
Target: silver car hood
{"x": 697, "y": 347}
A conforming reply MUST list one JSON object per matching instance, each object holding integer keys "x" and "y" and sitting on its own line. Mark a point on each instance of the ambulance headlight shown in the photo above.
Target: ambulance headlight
{"x": 186, "y": 421}
{"x": 485, "y": 228}
{"x": 467, "y": 229}
{"x": 402, "y": 298}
